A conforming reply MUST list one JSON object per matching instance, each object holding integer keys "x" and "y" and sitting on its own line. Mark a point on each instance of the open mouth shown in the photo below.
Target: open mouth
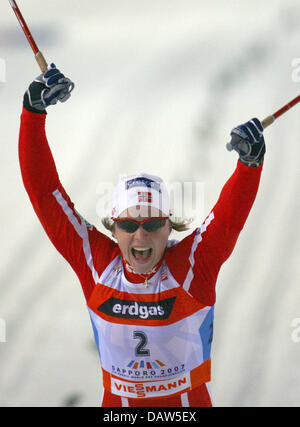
{"x": 141, "y": 254}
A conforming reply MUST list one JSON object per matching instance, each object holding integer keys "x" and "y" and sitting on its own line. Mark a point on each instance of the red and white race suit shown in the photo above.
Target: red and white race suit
{"x": 154, "y": 343}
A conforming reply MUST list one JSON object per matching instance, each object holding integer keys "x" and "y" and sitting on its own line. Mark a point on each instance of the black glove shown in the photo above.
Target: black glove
{"x": 248, "y": 142}
{"x": 47, "y": 89}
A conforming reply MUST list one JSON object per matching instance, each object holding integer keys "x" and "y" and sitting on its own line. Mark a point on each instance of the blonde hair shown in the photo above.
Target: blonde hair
{"x": 177, "y": 225}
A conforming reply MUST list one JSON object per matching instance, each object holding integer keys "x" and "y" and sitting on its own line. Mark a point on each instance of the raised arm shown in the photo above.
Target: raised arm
{"x": 72, "y": 236}
{"x": 37, "y": 165}
{"x": 203, "y": 253}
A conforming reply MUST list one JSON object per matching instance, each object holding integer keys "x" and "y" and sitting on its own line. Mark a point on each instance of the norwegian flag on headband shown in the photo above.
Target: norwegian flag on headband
{"x": 144, "y": 196}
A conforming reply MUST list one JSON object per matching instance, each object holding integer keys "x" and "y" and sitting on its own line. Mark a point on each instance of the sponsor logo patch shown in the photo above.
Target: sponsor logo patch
{"x": 143, "y": 182}
{"x": 150, "y": 389}
{"x": 138, "y": 309}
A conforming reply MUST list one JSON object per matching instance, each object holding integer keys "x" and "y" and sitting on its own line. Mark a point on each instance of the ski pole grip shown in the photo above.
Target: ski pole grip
{"x": 41, "y": 62}
{"x": 268, "y": 121}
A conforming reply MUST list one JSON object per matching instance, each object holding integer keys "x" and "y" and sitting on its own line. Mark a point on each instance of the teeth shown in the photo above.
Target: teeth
{"x": 141, "y": 252}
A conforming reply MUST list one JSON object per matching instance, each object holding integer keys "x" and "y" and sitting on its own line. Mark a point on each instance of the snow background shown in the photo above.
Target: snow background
{"x": 159, "y": 86}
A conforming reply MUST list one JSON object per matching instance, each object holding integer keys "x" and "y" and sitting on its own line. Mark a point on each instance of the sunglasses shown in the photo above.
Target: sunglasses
{"x": 131, "y": 225}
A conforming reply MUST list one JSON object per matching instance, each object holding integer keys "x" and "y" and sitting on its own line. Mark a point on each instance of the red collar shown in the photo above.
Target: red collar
{"x": 134, "y": 277}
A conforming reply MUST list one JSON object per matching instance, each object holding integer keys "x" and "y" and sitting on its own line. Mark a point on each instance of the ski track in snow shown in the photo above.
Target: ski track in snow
{"x": 159, "y": 85}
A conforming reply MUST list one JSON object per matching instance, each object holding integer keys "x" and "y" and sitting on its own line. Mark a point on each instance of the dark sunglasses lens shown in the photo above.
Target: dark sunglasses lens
{"x": 154, "y": 224}
{"x": 127, "y": 226}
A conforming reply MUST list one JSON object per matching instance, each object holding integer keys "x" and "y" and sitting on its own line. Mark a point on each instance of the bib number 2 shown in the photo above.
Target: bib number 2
{"x": 140, "y": 349}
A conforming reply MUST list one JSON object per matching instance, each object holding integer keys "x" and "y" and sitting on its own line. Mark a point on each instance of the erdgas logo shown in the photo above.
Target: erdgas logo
{"x": 138, "y": 309}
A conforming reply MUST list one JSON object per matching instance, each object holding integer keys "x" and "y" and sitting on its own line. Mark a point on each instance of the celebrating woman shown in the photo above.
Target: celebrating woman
{"x": 150, "y": 299}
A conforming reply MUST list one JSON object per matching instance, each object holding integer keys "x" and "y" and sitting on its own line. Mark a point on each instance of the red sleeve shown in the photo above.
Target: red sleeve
{"x": 202, "y": 253}
{"x": 72, "y": 236}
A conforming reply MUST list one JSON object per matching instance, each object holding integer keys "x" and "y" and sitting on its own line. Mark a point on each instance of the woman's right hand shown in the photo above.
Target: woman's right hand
{"x": 47, "y": 89}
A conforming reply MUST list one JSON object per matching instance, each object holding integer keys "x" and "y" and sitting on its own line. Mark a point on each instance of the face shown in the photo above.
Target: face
{"x": 142, "y": 249}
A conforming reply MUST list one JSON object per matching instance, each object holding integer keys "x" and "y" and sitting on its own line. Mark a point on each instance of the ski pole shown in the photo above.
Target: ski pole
{"x": 268, "y": 120}
{"x": 38, "y": 54}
